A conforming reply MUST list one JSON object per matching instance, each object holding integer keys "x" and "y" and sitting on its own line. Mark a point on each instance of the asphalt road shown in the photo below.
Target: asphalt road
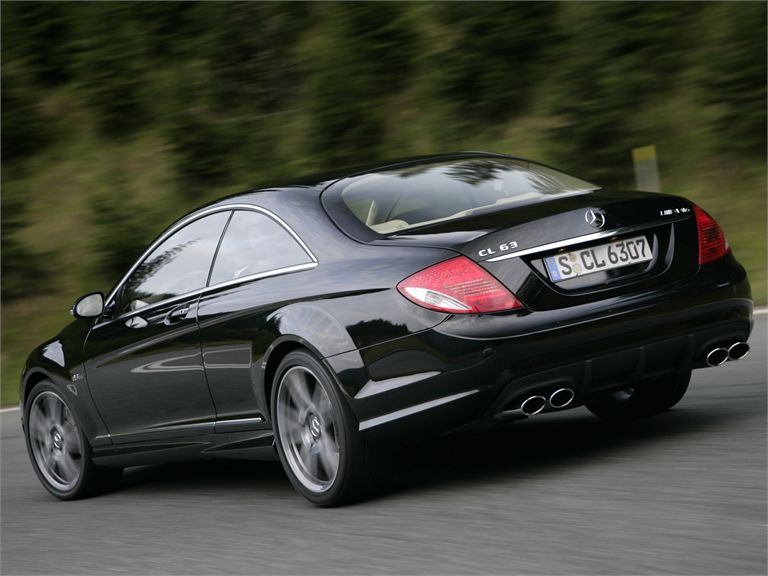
{"x": 684, "y": 492}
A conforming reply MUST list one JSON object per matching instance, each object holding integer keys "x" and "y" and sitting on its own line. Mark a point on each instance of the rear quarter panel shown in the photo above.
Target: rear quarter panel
{"x": 348, "y": 301}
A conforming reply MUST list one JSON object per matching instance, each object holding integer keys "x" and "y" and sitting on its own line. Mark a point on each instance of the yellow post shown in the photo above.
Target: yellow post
{"x": 646, "y": 168}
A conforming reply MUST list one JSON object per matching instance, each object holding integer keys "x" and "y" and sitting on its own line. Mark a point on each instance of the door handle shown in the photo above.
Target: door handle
{"x": 176, "y": 315}
{"x": 136, "y": 322}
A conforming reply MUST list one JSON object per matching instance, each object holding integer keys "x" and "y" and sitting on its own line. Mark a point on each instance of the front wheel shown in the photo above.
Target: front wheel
{"x": 60, "y": 452}
{"x": 647, "y": 399}
{"x": 325, "y": 457}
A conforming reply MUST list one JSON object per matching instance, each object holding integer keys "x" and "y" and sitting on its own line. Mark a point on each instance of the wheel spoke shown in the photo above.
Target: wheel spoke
{"x": 45, "y": 456}
{"x": 58, "y": 413}
{"x": 299, "y": 388}
{"x": 37, "y": 430}
{"x": 325, "y": 409}
{"x": 74, "y": 449}
{"x": 68, "y": 468}
{"x": 329, "y": 456}
{"x": 317, "y": 396}
{"x": 303, "y": 453}
{"x": 55, "y": 466}
{"x": 73, "y": 439}
{"x": 292, "y": 425}
{"x": 313, "y": 465}
{"x": 45, "y": 411}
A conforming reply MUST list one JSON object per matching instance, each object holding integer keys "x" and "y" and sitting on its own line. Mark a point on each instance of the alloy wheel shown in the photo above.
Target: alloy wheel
{"x": 308, "y": 429}
{"x": 55, "y": 441}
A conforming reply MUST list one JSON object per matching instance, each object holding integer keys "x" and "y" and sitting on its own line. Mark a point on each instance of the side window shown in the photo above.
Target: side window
{"x": 178, "y": 265}
{"x": 255, "y": 243}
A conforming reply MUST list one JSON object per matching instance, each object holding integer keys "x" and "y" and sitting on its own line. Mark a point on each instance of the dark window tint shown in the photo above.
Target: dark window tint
{"x": 255, "y": 243}
{"x": 180, "y": 264}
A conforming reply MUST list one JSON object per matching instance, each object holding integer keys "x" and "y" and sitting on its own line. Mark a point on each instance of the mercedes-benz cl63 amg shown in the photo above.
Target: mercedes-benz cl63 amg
{"x": 327, "y": 321}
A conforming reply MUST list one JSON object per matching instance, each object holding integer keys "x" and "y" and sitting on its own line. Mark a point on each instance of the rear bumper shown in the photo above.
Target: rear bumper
{"x": 469, "y": 368}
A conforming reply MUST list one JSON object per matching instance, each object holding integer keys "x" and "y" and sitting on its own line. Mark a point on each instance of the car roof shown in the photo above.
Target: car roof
{"x": 320, "y": 181}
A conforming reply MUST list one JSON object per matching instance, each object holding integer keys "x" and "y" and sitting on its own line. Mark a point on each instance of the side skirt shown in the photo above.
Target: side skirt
{"x": 250, "y": 445}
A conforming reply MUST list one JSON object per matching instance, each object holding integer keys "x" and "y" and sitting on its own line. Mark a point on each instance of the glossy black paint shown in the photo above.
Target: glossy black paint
{"x": 149, "y": 381}
{"x": 154, "y": 390}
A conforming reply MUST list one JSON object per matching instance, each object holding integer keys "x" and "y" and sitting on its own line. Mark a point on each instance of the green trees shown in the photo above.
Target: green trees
{"x": 222, "y": 81}
{"x": 733, "y": 78}
{"x": 357, "y": 58}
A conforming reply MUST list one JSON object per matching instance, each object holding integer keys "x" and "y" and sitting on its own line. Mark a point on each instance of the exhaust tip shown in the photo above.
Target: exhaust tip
{"x": 533, "y": 405}
{"x": 738, "y": 351}
{"x": 561, "y": 398}
{"x": 717, "y": 356}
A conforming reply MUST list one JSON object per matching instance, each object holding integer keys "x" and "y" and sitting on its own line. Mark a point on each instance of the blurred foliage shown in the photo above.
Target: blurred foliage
{"x": 608, "y": 76}
{"x": 733, "y": 79}
{"x": 119, "y": 117}
{"x": 119, "y": 229}
{"x": 22, "y": 268}
{"x": 23, "y": 126}
{"x": 493, "y": 52}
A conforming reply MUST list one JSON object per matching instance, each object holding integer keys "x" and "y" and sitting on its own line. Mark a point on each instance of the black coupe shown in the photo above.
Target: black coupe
{"x": 326, "y": 321}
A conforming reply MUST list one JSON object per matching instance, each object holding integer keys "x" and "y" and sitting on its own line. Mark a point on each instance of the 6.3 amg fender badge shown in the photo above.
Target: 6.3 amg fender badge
{"x": 595, "y": 218}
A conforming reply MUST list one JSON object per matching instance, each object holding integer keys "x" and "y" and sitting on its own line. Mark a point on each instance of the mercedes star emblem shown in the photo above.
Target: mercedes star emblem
{"x": 595, "y": 218}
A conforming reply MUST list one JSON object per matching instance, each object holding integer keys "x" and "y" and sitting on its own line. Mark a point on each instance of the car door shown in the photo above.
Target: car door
{"x": 143, "y": 357}
{"x": 256, "y": 268}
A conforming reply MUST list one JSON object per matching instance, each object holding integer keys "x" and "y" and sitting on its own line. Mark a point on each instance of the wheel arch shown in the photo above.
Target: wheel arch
{"x": 76, "y": 393}
{"x": 30, "y": 380}
{"x": 279, "y": 349}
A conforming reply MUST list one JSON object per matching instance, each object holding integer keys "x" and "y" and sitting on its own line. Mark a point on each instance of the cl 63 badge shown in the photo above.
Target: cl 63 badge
{"x": 507, "y": 246}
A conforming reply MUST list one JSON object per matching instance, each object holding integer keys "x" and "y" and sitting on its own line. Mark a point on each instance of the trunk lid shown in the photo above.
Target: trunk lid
{"x": 519, "y": 245}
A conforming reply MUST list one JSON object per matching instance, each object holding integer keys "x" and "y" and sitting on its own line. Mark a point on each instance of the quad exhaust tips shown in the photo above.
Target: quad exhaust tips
{"x": 720, "y": 355}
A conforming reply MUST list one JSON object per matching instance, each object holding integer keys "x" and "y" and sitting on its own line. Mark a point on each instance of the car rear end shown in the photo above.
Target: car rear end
{"x": 558, "y": 291}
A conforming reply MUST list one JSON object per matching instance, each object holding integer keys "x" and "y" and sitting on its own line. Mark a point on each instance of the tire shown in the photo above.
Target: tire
{"x": 321, "y": 450}
{"x": 59, "y": 451}
{"x": 652, "y": 397}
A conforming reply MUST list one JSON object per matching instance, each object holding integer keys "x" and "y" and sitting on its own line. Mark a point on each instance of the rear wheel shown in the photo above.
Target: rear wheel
{"x": 643, "y": 400}
{"x": 60, "y": 452}
{"x": 325, "y": 457}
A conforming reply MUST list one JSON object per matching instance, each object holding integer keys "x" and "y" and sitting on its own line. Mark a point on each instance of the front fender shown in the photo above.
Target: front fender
{"x": 60, "y": 362}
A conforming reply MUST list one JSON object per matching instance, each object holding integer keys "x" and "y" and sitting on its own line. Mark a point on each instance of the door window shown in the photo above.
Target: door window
{"x": 255, "y": 243}
{"x": 180, "y": 264}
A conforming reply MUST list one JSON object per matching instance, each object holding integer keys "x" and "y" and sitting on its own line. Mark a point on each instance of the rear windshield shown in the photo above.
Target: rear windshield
{"x": 403, "y": 198}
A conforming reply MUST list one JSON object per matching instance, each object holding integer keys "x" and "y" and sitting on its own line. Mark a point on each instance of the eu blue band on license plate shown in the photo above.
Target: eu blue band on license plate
{"x": 554, "y": 273}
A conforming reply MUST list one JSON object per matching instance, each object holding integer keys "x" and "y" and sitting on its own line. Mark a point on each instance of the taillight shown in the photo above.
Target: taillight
{"x": 712, "y": 242}
{"x": 458, "y": 286}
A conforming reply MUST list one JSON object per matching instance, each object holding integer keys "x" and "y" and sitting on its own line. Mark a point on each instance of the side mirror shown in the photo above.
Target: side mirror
{"x": 88, "y": 306}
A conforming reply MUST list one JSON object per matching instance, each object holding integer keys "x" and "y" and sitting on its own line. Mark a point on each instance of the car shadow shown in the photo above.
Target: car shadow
{"x": 548, "y": 444}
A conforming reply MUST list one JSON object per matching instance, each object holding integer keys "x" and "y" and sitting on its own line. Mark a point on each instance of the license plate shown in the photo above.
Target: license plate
{"x": 598, "y": 258}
